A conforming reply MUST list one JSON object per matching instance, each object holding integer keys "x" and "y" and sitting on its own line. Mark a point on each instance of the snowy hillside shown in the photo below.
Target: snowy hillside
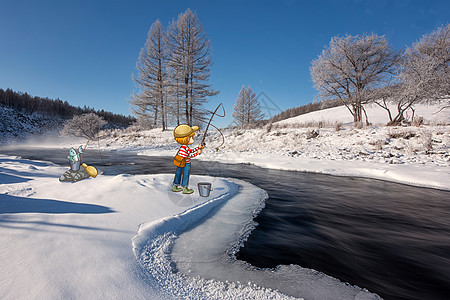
{"x": 17, "y": 125}
{"x": 432, "y": 114}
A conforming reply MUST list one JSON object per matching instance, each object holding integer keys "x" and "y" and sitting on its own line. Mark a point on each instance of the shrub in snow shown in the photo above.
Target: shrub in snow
{"x": 417, "y": 121}
{"x": 337, "y": 126}
{"x": 358, "y": 125}
{"x": 427, "y": 141}
{"x": 401, "y": 134}
{"x": 379, "y": 144}
{"x": 312, "y": 133}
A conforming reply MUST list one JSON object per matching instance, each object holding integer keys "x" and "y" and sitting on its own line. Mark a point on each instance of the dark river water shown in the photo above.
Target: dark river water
{"x": 390, "y": 238}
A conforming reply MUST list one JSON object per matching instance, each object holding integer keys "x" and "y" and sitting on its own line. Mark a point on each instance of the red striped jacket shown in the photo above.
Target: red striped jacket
{"x": 188, "y": 153}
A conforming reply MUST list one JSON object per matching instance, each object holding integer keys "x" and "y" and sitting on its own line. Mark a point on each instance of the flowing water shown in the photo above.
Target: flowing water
{"x": 390, "y": 238}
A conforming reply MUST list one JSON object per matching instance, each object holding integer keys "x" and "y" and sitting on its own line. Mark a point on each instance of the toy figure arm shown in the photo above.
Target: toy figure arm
{"x": 193, "y": 152}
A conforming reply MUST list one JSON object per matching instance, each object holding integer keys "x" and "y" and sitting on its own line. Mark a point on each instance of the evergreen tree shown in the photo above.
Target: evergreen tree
{"x": 247, "y": 110}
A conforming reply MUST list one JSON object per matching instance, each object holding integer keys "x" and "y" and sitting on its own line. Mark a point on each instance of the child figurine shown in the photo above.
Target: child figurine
{"x": 184, "y": 135}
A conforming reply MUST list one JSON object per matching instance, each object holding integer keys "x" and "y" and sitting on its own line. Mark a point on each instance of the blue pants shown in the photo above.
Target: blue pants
{"x": 185, "y": 172}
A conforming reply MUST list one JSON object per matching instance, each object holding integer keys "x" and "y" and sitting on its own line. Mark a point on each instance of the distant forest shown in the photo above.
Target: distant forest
{"x": 26, "y": 103}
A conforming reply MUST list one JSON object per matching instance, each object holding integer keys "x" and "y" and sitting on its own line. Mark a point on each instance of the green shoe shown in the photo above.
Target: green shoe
{"x": 187, "y": 190}
{"x": 176, "y": 188}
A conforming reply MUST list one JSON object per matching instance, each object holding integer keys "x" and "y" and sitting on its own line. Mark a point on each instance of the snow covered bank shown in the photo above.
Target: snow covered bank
{"x": 73, "y": 241}
{"x": 417, "y": 174}
{"x": 153, "y": 248}
{"x": 80, "y": 240}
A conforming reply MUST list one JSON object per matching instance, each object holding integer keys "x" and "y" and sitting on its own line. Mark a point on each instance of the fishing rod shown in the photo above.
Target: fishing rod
{"x": 209, "y": 123}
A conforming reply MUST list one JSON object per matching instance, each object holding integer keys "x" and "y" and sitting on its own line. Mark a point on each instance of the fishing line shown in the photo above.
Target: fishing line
{"x": 223, "y": 137}
{"x": 209, "y": 123}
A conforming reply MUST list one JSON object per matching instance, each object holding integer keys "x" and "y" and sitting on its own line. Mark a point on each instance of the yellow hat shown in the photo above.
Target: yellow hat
{"x": 184, "y": 130}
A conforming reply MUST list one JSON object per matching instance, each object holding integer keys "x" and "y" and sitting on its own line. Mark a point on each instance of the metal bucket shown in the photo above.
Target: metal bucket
{"x": 75, "y": 165}
{"x": 204, "y": 188}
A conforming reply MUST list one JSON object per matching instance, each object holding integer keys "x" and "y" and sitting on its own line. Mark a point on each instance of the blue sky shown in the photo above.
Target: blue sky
{"x": 86, "y": 51}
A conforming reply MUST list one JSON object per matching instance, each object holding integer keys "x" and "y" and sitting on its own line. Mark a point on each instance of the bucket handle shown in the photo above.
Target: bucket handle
{"x": 210, "y": 189}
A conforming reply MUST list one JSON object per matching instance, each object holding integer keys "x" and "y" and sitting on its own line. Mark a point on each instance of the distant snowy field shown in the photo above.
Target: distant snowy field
{"x": 376, "y": 115}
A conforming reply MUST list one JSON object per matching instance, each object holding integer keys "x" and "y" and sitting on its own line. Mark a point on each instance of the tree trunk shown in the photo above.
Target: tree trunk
{"x": 186, "y": 82}
{"x": 178, "y": 104}
{"x": 365, "y": 115}
{"x": 155, "y": 121}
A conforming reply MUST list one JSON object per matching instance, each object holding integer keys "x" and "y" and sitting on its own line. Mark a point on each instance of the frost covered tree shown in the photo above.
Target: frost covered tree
{"x": 239, "y": 107}
{"x": 190, "y": 62}
{"x": 424, "y": 76}
{"x": 85, "y": 126}
{"x": 247, "y": 109}
{"x": 151, "y": 99}
{"x": 424, "y": 72}
{"x": 350, "y": 67}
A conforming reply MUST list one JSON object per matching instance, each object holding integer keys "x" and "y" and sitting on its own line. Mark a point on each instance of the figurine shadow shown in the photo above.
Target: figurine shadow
{"x": 15, "y": 205}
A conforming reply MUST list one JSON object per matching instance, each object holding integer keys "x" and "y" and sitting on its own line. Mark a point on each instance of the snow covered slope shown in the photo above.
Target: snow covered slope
{"x": 432, "y": 114}
{"x": 14, "y": 124}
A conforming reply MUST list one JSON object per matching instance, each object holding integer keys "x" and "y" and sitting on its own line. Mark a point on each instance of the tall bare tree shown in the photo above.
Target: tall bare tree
{"x": 190, "y": 61}
{"x": 351, "y": 66}
{"x": 150, "y": 101}
{"x": 247, "y": 109}
{"x": 175, "y": 92}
